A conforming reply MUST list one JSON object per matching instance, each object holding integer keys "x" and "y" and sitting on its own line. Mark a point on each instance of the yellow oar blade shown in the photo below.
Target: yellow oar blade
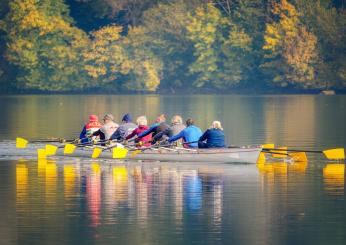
{"x": 51, "y": 150}
{"x": 41, "y": 154}
{"x": 21, "y": 142}
{"x": 298, "y": 156}
{"x": 96, "y": 152}
{"x": 119, "y": 153}
{"x": 335, "y": 154}
{"x": 282, "y": 153}
{"x": 69, "y": 148}
{"x": 135, "y": 153}
{"x": 268, "y": 146}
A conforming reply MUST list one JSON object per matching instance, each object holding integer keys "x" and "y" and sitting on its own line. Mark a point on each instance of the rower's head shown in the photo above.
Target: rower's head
{"x": 93, "y": 118}
{"x": 142, "y": 121}
{"x": 216, "y": 125}
{"x": 161, "y": 118}
{"x": 189, "y": 122}
{"x": 108, "y": 117}
{"x": 127, "y": 118}
{"x": 177, "y": 120}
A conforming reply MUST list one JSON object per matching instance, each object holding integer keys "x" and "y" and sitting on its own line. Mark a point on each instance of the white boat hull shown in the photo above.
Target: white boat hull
{"x": 227, "y": 155}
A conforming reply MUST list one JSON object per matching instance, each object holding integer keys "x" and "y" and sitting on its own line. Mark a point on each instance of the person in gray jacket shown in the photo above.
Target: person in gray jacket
{"x": 126, "y": 127}
{"x": 176, "y": 127}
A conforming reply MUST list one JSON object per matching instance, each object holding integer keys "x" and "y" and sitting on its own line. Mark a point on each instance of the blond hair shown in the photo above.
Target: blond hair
{"x": 216, "y": 124}
{"x": 177, "y": 120}
{"x": 142, "y": 120}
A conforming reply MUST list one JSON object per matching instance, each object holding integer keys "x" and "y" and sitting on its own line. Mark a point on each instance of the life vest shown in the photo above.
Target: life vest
{"x": 92, "y": 127}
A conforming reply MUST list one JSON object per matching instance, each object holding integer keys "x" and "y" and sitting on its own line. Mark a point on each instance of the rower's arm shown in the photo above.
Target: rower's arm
{"x": 148, "y": 131}
{"x": 204, "y": 136}
{"x": 82, "y": 134}
{"x": 176, "y": 137}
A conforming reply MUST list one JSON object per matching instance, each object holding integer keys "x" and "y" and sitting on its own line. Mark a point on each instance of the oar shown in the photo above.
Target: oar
{"x": 296, "y": 156}
{"x": 22, "y": 142}
{"x": 69, "y": 148}
{"x": 332, "y": 154}
{"x": 121, "y": 152}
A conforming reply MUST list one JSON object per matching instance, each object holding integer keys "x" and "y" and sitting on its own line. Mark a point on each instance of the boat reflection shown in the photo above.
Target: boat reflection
{"x": 212, "y": 182}
{"x": 110, "y": 191}
{"x": 93, "y": 192}
{"x": 140, "y": 190}
{"x": 334, "y": 179}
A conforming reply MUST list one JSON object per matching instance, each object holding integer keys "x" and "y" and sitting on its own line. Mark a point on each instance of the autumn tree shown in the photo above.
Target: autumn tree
{"x": 329, "y": 26}
{"x": 44, "y": 46}
{"x": 165, "y": 35}
{"x": 219, "y": 48}
{"x": 291, "y": 48}
{"x": 105, "y": 59}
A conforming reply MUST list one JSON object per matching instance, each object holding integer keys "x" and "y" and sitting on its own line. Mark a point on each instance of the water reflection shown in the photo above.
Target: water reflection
{"x": 69, "y": 180}
{"x": 212, "y": 181}
{"x": 192, "y": 191}
{"x": 51, "y": 183}
{"x": 22, "y": 175}
{"x": 93, "y": 191}
{"x": 120, "y": 180}
{"x": 334, "y": 179}
{"x": 110, "y": 188}
{"x": 275, "y": 176}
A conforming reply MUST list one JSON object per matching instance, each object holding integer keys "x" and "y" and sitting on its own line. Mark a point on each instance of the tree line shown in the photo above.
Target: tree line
{"x": 171, "y": 45}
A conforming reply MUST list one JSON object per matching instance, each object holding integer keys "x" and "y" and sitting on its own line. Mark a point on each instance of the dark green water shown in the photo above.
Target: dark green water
{"x": 80, "y": 201}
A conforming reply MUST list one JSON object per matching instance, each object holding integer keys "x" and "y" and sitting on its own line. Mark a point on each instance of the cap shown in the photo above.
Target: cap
{"x": 93, "y": 118}
{"x": 127, "y": 118}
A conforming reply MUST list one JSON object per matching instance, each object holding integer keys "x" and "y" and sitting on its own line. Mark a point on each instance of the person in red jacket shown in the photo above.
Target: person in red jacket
{"x": 142, "y": 126}
{"x": 92, "y": 126}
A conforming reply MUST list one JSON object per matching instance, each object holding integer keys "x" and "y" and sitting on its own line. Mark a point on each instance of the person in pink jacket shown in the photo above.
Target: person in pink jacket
{"x": 142, "y": 126}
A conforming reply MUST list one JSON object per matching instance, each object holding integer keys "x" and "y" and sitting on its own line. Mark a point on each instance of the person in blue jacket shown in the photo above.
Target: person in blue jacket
{"x": 190, "y": 134}
{"x": 214, "y": 137}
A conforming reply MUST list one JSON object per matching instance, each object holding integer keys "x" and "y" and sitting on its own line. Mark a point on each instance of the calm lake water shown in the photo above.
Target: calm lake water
{"x": 81, "y": 201}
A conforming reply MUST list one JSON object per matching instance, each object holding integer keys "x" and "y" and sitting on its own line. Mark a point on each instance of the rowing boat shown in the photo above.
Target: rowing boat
{"x": 226, "y": 155}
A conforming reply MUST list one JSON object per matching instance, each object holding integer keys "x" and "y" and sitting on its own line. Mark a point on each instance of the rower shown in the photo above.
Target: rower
{"x": 214, "y": 137}
{"x": 92, "y": 126}
{"x": 126, "y": 127}
{"x": 107, "y": 129}
{"x": 190, "y": 134}
{"x": 142, "y": 126}
{"x": 159, "y": 126}
{"x": 176, "y": 127}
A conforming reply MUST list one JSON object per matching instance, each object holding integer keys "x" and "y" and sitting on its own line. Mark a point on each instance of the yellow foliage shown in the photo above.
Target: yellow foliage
{"x": 153, "y": 79}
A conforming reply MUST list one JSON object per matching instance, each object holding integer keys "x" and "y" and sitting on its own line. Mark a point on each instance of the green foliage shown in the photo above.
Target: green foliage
{"x": 219, "y": 48}
{"x": 44, "y": 46}
{"x": 329, "y": 25}
{"x": 165, "y": 36}
{"x": 145, "y": 72}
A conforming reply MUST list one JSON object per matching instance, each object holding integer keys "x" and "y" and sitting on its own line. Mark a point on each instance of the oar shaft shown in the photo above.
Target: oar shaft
{"x": 290, "y": 150}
